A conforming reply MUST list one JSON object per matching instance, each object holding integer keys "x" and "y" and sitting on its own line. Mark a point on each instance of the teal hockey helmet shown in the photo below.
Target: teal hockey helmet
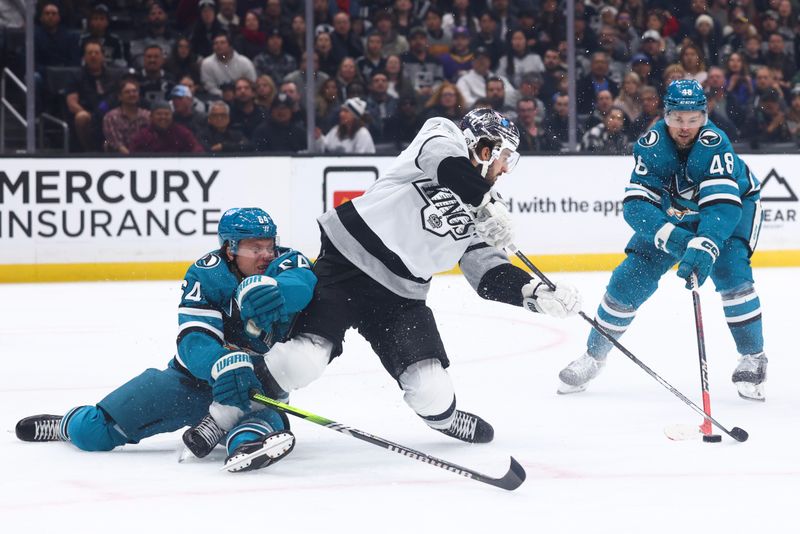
{"x": 685, "y": 95}
{"x": 245, "y": 223}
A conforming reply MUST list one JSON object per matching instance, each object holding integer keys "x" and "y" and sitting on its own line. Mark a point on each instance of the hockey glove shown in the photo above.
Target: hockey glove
{"x": 565, "y": 301}
{"x": 701, "y": 253}
{"x": 493, "y": 221}
{"x": 233, "y": 378}
{"x": 261, "y": 302}
{"x": 672, "y": 239}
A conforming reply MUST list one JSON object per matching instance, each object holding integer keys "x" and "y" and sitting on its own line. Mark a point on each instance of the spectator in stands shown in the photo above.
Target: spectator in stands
{"x": 768, "y": 123}
{"x": 298, "y": 77}
{"x": 156, "y": 31}
{"x": 461, "y": 15}
{"x": 473, "y": 83}
{"x": 279, "y": 133}
{"x": 552, "y": 23}
{"x": 218, "y": 135}
{"x": 616, "y": 49}
{"x": 183, "y": 111}
{"x": 653, "y": 48}
{"x": 380, "y": 105}
{"x": 228, "y": 18}
{"x": 673, "y": 72}
{"x": 162, "y": 135}
{"x": 251, "y": 40}
{"x": 556, "y": 122}
{"x": 519, "y": 60}
{"x": 530, "y": 86}
{"x": 496, "y": 94}
{"x": 488, "y": 38}
{"x": 707, "y": 39}
{"x": 54, "y": 45}
{"x": 554, "y": 74}
{"x": 295, "y": 41}
{"x": 228, "y": 92}
{"x": 275, "y": 17}
{"x": 153, "y": 80}
{"x": 626, "y": 31}
{"x": 735, "y": 41}
{"x": 182, "y": 60}
{"x": 605, "y": 101}
{"x": 608, "y": 137}
{"x": 393, "y": 42}
{"x": 422, "y": 69}
{"x": 224, "y": 65}
{"x": 640, "y": 65}
{"x": 323, "y": 47}
{"x": 439, "y": 39}
{"x": 651, "y": 112}
{"x": 123, "y": 122}
{"x": 777, "y": 58}
{"x": 459, "y": 59}
{"x": 89, "y": 97}
{"x": 399, "y": 84}
{"x": 404, "y": 16}
{"x": 793, "y": 115}
{"x": 752, "y": 52}
{"x": 506, "y": 20}
{"x": 346, "y": 74}
{"x": 206, "y": 27}
{"x": 764, "y": 82}
{"x": 663, "y": 26}
{"x": 97, "y": 29}
{"x": 265, "y": 91}
{"x": 372, "y": 60}
{"x": 739, "y": 83}
{"x": 692, "y": 62}
{"x": 597, "y": 80}
{"x": 532, "y": 137}
{"x": 344, "y": 42}
{"x": 297, "y": 102}
{"x": 446, "y": 101}
{"x": 327, "y": 105}
{"x": 199, "y": 98}
{"x": 350, "y": 136}
{"x": 274, "y": 61}
{"x": 723, "y": 108}
{"x": 245, "y": 115}
{"x": 401, "y": 128}
{"x": 629, "y": 100}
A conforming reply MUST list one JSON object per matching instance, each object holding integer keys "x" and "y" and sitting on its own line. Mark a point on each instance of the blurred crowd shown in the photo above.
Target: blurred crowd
{"x": 146, "y": 76}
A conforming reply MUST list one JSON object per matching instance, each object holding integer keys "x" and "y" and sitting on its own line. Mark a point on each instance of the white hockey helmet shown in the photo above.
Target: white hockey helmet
{"x": 500, "y": 133}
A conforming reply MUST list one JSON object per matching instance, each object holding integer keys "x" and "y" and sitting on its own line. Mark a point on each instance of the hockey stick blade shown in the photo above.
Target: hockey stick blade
{"x": 511, "y": 480}
{"x": 682, "y": 432}
{"x": 736, "y": 433}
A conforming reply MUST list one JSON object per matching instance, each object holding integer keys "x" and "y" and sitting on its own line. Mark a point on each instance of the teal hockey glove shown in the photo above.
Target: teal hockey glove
{"x": 701, "y": 253}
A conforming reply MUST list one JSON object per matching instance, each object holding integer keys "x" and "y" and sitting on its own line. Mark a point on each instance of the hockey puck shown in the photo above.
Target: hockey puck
{"x": 712, "y": 438}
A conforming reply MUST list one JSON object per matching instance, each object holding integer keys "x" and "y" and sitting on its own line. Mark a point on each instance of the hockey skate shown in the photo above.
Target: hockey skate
{"x": 40, "y": 428}
{"x": 575, "y": 376}
{"x": 470, "y": 428}
{"x": 750, "y": 375}
{"x": 260, "y": 453}
{"x": 203, "y": 437}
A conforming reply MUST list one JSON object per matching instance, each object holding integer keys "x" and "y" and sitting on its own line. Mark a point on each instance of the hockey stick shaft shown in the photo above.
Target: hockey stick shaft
{"x": 736, "y": 433}
{"x": 701, "y": 352}
{"x": 510, "y": 481}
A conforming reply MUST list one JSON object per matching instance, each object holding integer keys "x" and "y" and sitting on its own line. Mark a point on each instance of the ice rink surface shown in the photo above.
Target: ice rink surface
{"x": 596, "y": 461}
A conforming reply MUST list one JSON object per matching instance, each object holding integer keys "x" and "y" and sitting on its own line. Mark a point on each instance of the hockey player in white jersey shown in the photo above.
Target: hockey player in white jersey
{"x": 435, "y": 207}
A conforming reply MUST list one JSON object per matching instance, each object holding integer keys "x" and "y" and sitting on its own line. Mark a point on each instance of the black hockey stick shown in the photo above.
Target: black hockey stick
{"x": 736, "y": 433}
{"x": 510, "y": 481}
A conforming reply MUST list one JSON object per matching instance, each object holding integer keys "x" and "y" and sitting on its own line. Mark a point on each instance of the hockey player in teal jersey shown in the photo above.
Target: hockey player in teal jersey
{"x": 237, "y": 301}
{"x": 691, "y": 200}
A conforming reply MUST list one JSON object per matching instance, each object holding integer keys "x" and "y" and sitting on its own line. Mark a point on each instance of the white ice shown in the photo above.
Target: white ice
{"x": 596, "y": 461}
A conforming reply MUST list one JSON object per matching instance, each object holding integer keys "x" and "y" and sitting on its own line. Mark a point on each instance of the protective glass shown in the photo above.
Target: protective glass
{"x": 686, "y": 119}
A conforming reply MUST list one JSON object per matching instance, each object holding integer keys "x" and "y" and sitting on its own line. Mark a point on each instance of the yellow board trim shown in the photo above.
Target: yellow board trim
{"x": 94, "y": 272}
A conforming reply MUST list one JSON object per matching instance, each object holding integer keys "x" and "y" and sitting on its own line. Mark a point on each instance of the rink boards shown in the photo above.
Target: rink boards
{"x": 146, "y": 218}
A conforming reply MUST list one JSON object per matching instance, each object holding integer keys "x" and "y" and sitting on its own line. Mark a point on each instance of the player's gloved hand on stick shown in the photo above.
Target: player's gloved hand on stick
{"x": 565, "y": 301}
{"x": 260, "y": 300}
{"x": 493, "y": 221}
{"x": 699, "y": 258}
{"x": 232, "y": 379}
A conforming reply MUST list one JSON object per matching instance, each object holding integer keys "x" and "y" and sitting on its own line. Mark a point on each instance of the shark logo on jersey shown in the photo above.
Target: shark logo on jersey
{"x": 443, "y": 214}
{"x": 209, "y": 261}
{"x": 709, "y": 138}
{"x": 649, "y": 139}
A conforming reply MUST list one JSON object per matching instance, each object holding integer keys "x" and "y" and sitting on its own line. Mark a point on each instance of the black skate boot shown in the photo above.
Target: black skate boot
{"x": 260, "y": 453}
{"x": 203, "y": 437}
{"x": 40, "y": 428}
{"x": 469, "y": 427}
{"x": 750, "y": 375}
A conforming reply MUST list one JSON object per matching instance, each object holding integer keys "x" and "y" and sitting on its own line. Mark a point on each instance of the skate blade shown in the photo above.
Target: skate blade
{"x": 183, "y": 454}
{"x": 682, "y": 432}
{"x": 276, "y": 447}
{"x": 566, "y": 389}
{"x": 749, "y": 391}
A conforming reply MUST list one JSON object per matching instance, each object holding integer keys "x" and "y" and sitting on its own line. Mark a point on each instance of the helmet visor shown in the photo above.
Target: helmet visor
{"x": 686, "y": 119}
{"x": 505, "y": 158}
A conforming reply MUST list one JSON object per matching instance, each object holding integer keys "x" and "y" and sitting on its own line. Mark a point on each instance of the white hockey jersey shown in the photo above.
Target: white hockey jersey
{"x": 408, "y": 226}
